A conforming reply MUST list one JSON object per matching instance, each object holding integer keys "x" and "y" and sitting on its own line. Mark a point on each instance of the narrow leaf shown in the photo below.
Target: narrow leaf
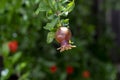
{"x": 42, "y": 7}
{"x": 70, "y": 6}
{"x": 50, "y": 37}
{"x": 5, "y": 49}
{"x": 16, "y": 57}
{"x": 50, "y": 26}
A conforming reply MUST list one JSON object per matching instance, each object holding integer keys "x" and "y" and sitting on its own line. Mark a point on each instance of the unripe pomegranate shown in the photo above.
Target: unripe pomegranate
{"x": 63, "y": 36}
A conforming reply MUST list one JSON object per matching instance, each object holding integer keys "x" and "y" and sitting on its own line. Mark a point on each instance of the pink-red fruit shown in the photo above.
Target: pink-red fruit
{"x": 63, "y": 36}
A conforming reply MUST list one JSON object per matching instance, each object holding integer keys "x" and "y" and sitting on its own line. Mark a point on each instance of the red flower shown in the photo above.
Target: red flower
{"x": 70, "y": 69}
{"x": 53, "y": 69}
{"x": 13, "y": 45}
{"x": 86, "y": 74}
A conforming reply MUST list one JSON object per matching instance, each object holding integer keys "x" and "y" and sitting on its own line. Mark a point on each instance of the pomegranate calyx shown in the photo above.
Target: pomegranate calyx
{"x": 65, "y": 47}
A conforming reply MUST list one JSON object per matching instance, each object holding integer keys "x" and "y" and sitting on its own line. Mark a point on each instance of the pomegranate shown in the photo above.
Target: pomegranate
{"x": 70, "y": 69}
{"x": 86, "y": 74}
{"x": 53, "y": 69}
{"x": 13, "y": 46}
{"x": 63, "y": 36}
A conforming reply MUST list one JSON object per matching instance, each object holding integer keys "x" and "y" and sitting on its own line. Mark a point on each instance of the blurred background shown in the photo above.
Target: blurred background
{"x": 25, "y": 54}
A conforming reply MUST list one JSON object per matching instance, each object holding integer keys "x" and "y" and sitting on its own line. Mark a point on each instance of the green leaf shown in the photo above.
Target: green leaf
{"x": 70, "y": 7}
{"x": 2, "y": 4}
{"x": 5, "y": 49}
{"x": 64, "y": 1}
{"x": 65, "y": 21}
{"x": 50, "y": 26}
{"x": 24, "y": 76}
{"x": 50, "y": 15}
{"x": 42, "y": 7}
{"x": 21, "y": 66}
{"x": 50, "y": 37}
{"x": 51, "y": 4}
{"x": 16, "y": 57}
{"x": 63, "y": 76}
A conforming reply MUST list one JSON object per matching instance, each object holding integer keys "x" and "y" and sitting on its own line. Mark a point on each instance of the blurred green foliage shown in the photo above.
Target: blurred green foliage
{"x": 26, "y": 21}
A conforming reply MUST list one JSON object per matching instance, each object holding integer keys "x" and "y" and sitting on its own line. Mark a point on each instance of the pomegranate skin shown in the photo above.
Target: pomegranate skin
{"x": 13, "y": 46}
{"x": 63, "y": 36}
